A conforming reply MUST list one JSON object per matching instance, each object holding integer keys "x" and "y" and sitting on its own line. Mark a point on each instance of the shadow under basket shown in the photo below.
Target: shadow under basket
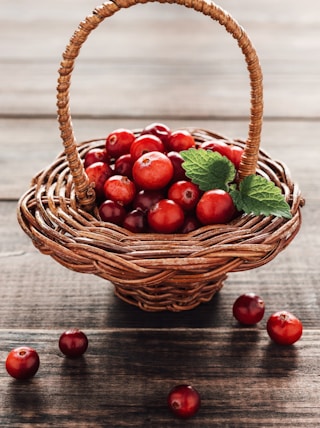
{"x": 154, "y": 271}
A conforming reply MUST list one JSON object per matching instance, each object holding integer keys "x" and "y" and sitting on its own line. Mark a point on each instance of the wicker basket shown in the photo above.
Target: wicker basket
{"x": 153, "y": 271}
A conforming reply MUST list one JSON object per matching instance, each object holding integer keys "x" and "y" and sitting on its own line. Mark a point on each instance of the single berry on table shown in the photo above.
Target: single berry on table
{"x": 73, "y": 343}
{"x": 184, "y": 401}
{"x": 284, "y": 328}
{"x": 248, "y": 309}
{"x": 22, "y": 362}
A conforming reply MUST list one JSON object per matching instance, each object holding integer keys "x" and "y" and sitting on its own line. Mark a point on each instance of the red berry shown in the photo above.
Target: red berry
{"x": 145, "y": 199}
{"x": 184, "y": 193}
{"x": 119, "y": 142}
{"x": 95, "y": 155}
{"x": 98, "y": 173}
{"x": 112, "y": 212}
{"x": 166, "y": 216}
{"x": 120, "y": 189}
{"x": 160, "y": 130}
{"x": 22, "y": 362}
{"x": 236, "y": 155}
{"x": 145, "y": 144}
{"x": 123, "y": 165}
{"x": 248, "y": 309}
{"x": 180, "y": 140}
{"x": 190, "y": 223}
{"x": 215, "y": 207}
{"x": 152, "y": 171}
{"x": 184, "y": 401}
{"x": 73, "y": 343}
{"x": 233, "y": 153}
{"x": 284, "y": 328}
{"x": 179, "y": 172}
{"x": 135, "y": 221}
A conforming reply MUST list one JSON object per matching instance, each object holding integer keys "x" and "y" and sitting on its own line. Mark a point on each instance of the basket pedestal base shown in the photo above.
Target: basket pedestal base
{"x": 170, "y": 296}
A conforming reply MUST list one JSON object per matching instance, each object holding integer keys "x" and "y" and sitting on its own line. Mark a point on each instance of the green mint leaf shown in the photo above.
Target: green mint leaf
{"x": 257, "y": 195}
{"x": 208, "y": 169}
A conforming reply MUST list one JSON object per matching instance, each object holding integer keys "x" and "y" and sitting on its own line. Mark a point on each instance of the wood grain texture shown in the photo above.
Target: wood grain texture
{"x": 243, "y": 379}
{"x": 168, "y": 63}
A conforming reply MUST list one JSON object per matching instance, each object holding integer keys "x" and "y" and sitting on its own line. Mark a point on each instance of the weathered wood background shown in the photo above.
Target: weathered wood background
{"x": 165, "y": 63}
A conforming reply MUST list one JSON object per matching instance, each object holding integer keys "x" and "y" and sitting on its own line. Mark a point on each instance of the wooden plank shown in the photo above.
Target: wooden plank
{"x": 144, "y": 68}
{"x": 125, "y": 377}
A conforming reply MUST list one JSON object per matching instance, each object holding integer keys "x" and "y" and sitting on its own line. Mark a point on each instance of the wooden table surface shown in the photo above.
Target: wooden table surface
{"x": 165, "y": 63}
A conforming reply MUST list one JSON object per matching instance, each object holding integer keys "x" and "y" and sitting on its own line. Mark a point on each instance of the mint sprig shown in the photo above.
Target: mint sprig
{"x": 254, "y": 194}
{"x": 208, "y": 169}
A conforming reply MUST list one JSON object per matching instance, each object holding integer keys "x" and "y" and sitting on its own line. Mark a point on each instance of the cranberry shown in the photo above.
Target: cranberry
{"x": 160, "y": 130}
{"x": 120, "y": 189}
{"x": 145, "y": 144}
{"x": 152, "y": 171}
{"x": 184, "y": 193}
{"x": 215, "y": 207}
{"x": 22, "y": 362}
{"x": 178, "y": 171}
{"x": 98, "y": 173}
{"x": 123, "y": 165}
{"x": 190, "y": 223}
{"x": 233, "y": 153}
{"x": 119, "y": 142}
{"x": 180, "y": 140}
{"x": 73, "y": 343}
{"x": 184, "y": 401}
{"x": 166, "y": 216}
{"x": 95, "y": 155}
{"x": 136, "y": 221}
{"x": 112, "y": 212}
{"x": 248, "y": 309}
{"x": 284, "y": 328}
{"x": 145, "y": 199}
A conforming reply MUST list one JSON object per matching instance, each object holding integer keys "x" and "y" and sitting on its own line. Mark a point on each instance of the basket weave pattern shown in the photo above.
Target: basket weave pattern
{"x": 153, "y": 271}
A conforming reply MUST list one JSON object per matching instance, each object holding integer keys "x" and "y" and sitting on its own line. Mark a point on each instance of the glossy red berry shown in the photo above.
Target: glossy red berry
{"x": 98, "y": 173}
{"x": 112, "y": 211}
{"x": 152, "y": 171}
{"x": 160, "y": 130}
{"x": 145, "y": 144}
{"x": 284, "y": 328}
{"x": 123, "y": 165}
{"x": 95, "y": 155}
{"x": 249, "y": 309}
{"x": 184, "y": 193}
{"x": 180, "y": 140}
{"x": 215, "y": 207}
{"x": 120, "y": 189}
{"x": 73, "y": 343}
{"x": 184, "y": 401}
{"x": 179, "y": 172}
{"x": 22, "y": 362}
{"x": 136, "y": 221}
{"x": 166, "y": 216}
{"x": 119, "y": 142}
{"x": 145, "y": 199}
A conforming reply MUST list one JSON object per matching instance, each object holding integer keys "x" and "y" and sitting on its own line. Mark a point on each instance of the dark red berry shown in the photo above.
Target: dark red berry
{"x": 184, "y": 401}
{"x": 73, "y": 343}
{"x": 248, "y": 309}
{"x": 22, "y": 362}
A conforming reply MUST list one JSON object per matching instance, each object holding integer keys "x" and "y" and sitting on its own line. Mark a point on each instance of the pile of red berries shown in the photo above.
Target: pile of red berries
{"x": 141, "y": 185}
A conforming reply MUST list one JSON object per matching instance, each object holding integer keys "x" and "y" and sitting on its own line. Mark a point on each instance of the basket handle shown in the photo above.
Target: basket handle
{"x": 83, "y": 189}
